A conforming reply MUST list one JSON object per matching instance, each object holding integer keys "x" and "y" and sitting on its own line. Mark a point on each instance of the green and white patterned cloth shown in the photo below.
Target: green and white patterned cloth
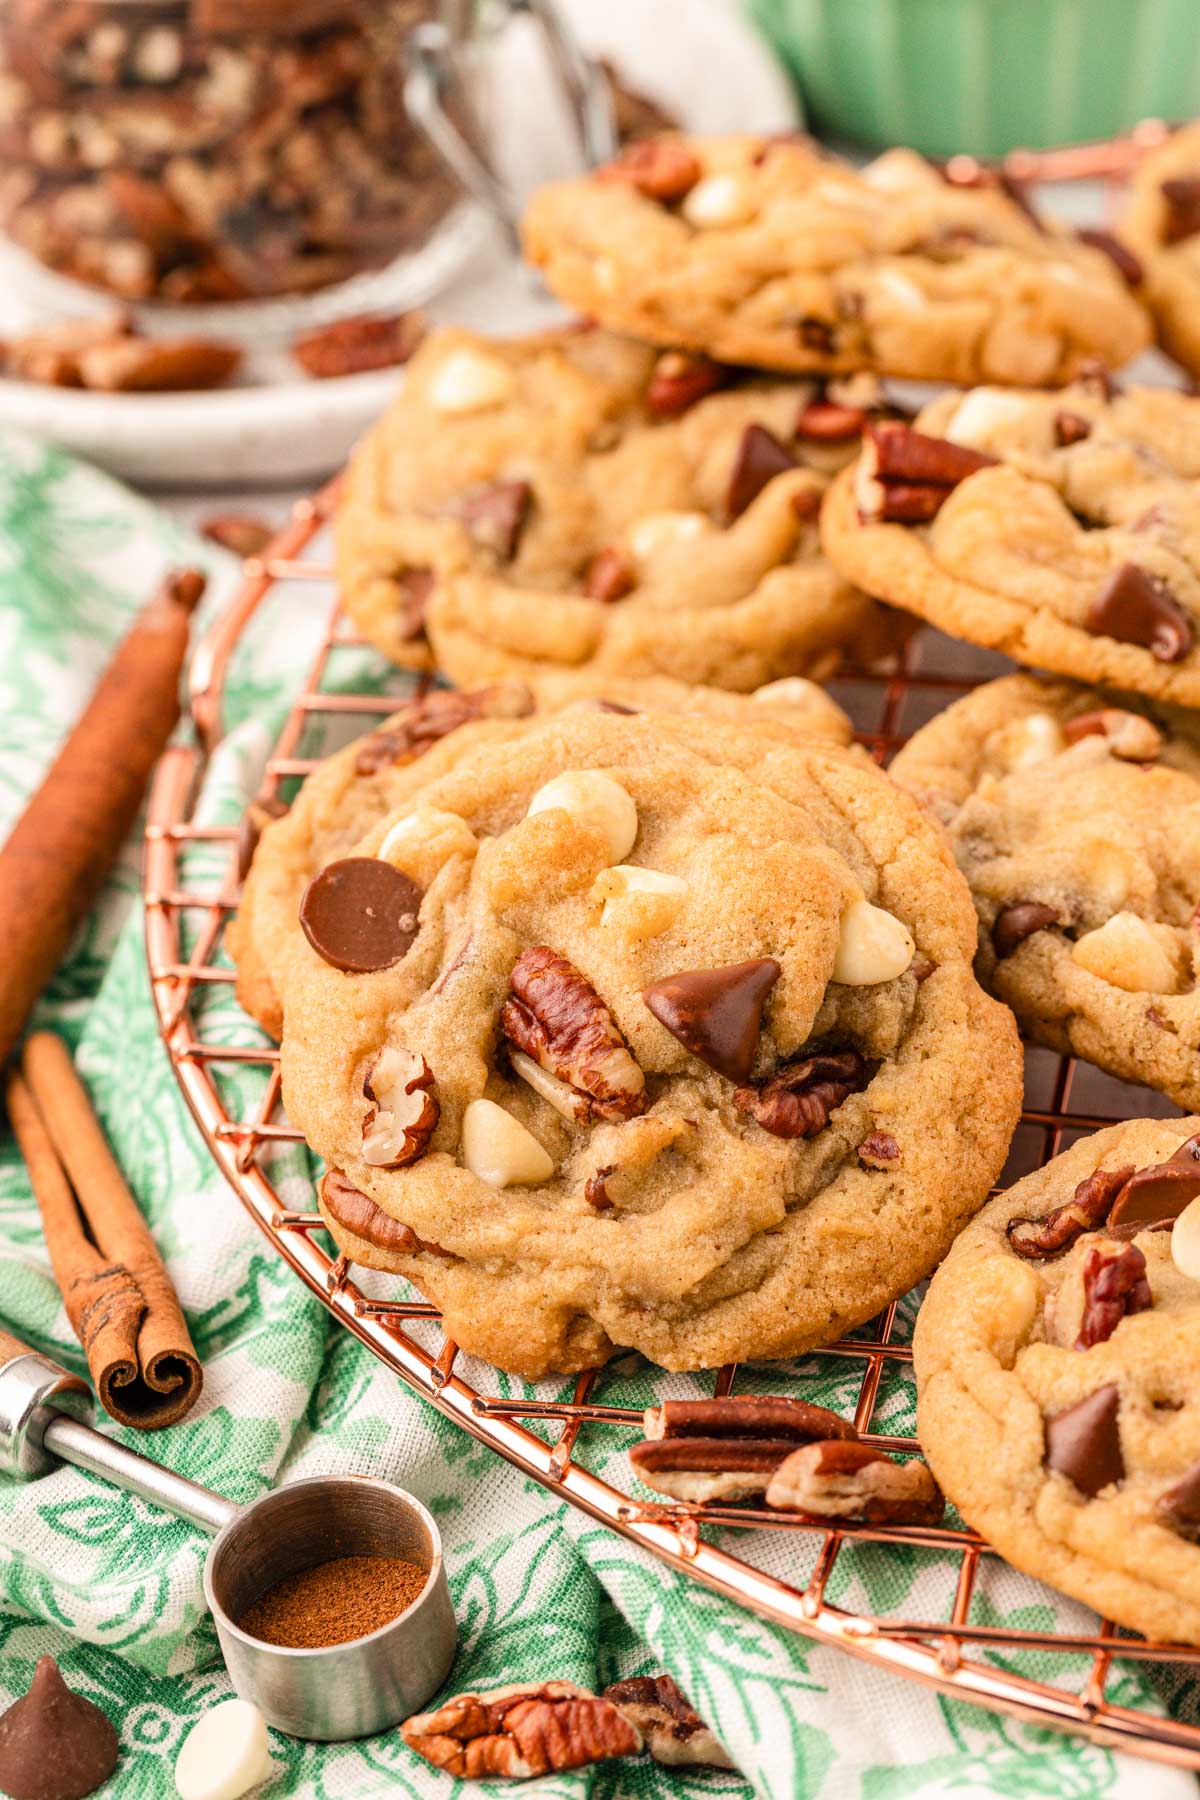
{"x": 111, "y": 1586}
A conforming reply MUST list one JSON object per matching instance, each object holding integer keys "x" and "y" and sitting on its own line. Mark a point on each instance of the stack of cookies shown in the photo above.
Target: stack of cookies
{"x": 627, "y": 1003}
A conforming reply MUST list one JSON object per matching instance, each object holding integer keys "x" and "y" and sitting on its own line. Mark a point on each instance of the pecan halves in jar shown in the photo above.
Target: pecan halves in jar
{"x": 351, "y": 346}
{"x": 1088, "y": 1207}
{"x": 797, "y": 1102}
{"x": 906, "y": 476}
{"x": 1114, "y": 1284}
{"x": 853, "y": 1481}
{"x": 557, "y": 1018}
{"x": 700, "y": 1470}
{"x": 673, "y": 1730}
{"x": 518, "y": 1732}
{"x": 403, "y": 1113}
{"x": 745, "y": 1415}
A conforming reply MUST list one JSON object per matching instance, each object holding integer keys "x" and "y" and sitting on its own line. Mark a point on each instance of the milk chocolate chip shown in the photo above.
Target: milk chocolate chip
{"x": 717, "y": 1013}
{"x": 1137, "y": 608}
{"x": 360, "y": 914}
{"x": 1084, "y": 1442}
{"x": 1160, "y": 1193}
{"x": 54, "y": 1745}
{"x": 760, "y": 458}
{"x": 1179, "y": 1506}
{"x": 1017, "y": 921}
{"x": 496, "y": 516}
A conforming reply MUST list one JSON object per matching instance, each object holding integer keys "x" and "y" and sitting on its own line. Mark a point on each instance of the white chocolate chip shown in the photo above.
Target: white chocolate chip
{"x": 874, "y": 946}
{"x": 1130, "y": 953}
{"x": 468, "y": 381}
{"x": 802, "y": 703}
{"x": 425, "y": 841}
{"x": 1024, "y": 742}
{"x": 498, "y": 1149}
{"x": 1185, "y": 1240}
{"x": 559, "y": 1094}
{"x": 225, "y": 1753}
{"x": 899, "y": 289}
{"x": 900, "y": 171}
{"x": 663, "y": 530}
{"x": 720, "y": 200}
{"x": 982, "y": 416}
{"x": 596, "y": 800}
{"x": 644, "y": 901}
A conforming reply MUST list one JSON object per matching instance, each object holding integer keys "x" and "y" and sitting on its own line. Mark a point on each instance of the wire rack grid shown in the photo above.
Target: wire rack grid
{"x": 961, "y": 1654}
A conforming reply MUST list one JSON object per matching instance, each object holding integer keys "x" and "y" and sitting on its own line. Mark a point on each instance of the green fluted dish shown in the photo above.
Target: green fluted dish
{"x": 987, "y": 76}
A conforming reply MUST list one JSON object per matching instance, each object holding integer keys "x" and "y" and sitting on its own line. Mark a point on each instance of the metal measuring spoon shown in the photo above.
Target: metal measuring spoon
{"x": 344, "y": 1691}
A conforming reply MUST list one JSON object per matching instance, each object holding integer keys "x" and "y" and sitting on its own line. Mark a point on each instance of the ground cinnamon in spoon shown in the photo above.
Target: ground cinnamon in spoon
{"x": 334, "y": 1601}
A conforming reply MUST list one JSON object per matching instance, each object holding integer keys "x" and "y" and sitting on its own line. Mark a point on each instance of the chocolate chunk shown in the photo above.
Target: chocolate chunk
{"x": 55, "y": 1745}
{"x": 1179, "y": 1506}
{"x": 717, "y": 1013}
{"x": 1158, "y": 1194}
{"x": 1182, "y": 196}
{"x": 609, "y": 576}
{"x": 1070, "y": 428}
{"x": 257, "y": 816}
{"x": 1127, "y": 265}
{"x": 1084, "y": 1442}
{"x": 415, "y": 586}
{"x": 760, "y": 457}
{"x": 1138, "y": 608}
{"x": 360, "y": 914}
{"x": 497, "y": 514}
{"x": 1017, "y": 921}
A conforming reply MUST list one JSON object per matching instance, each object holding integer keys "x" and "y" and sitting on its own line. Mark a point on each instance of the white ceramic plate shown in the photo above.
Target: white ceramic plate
{"x": 697, "y": 57}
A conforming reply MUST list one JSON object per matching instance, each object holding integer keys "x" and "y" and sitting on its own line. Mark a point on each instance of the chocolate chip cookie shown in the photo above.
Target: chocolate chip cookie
{"x": 576, "y": 501}
{"x": 673, "y": 1042}
{"x": 1075, "y": 816}
{"x": 1162, "y": 224}
{"x": 1061, "y": 527}
{"x": 1058, "y": 1369}
{"x": 282, "y": 849}
{"x": 770, "y": 252}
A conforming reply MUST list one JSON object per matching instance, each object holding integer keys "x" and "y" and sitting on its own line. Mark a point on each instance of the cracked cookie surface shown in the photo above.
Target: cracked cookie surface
{"x": 1058, "y": 1374}
{"x": 1060, "y": 527}
{"x": 712, "y": 1072}
{"x": 575, "y": 501}
{"x": 361, "y": 784}
{"x": 768, "y": 252}
{"x": 1162, "y": 224}
{"x": 1075, "y": 816}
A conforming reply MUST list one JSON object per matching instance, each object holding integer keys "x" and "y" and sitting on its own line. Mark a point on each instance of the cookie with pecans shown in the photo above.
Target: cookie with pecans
{"x": 281, "y": 848}
{"x": 768, "y": 251}
{"x": 674, "y": 1044}
{"x": 1060, "y": 527}
{"x": 577, "y": 502}
{"x": 1162, "y": 224}
{"x": 1075, "y": 816}
{"x": 1058, "y": 1370}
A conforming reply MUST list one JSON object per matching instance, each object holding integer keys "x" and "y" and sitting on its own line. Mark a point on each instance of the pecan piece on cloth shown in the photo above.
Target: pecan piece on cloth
{"x": 358, "y": 1214}
{"x": 1136, "y": 607}
{"x": 421, "y": 724}
{"x": 1088, "y": 1207}
{"x": 842, "y": 1480}
{"x": 745, "y": 1415}
{"x": 798, "y": 1101}
{"x": 1156, "y": 1196}
{"x": 679, "y": 379}
{"x": 698, "y": 1470}
{"x": 554, "y": 1014}
{"x": 1114, "y": 1284}
{"x": 350, "y": 346}
{"x": 661, "y": 168}
{"x": 518, "y": 1732}
{"x": 404, "y": 1111}
{"x": 906, "y": 476}
{"x": 673, "y": 1730}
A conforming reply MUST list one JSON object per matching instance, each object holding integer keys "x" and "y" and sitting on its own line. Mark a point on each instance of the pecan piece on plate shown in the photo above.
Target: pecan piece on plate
{"x": 703, "y": 1469}
{"x": 798, "y": 1101}
{"x": 906, "y": 476}
{"x": 421, "y": 724}
{"x": 842, "y": 1480}
{"x": 555, "y": 1016}
{"x": 518, "y": 1732}
{"x": 1114, "y": 1284}
{"x": 745, "y": 1415}
{"x": 661, "y": 168}
{"x": 350, "y": 346}
{"x": 1088, "y": 1207}
{"x": 403, "y": 1111}
{"x": 674, "y": 1732}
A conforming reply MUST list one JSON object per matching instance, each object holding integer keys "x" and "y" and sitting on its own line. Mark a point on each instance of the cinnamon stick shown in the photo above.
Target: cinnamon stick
{"x": 67, "y": 839}
{"x": 118, "y": 1295}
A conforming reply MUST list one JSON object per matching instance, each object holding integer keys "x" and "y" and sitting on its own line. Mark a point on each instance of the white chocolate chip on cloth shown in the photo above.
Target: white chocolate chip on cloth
{"x": 1062, "y": 528}
{"x": 1057, "y": 1357}
{"x": 281, "y": 848}
{"x": 770, "y": 252}
{"x": 662, "y": 1121}
{"x": 1162, "y": 224}
{"x": 577, "y": 502}
{"x": 1075, "y": 816}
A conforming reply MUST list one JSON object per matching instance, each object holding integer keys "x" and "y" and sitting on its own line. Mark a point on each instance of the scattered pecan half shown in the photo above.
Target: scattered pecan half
{"x": 555, "y": 1016}
{"x": 906, "y": 476}
{"x": 350, "y": 346}
{"x": 843, "y": 1480}
{"x": 357, "y": 1213}
{"x": 673, "y": 1730}
{"x": 242, "y": 533}
{"x": 680, "y": 378}
{"x": 404, "y": 1111}
{"x": 700, "y": 1470}
{"x": 519, "y": 1732}
{"x": 745, "y": 1415}
{"x": 409, "y": 733}
{"x": 1088, "y": 1207}
{"x": 798, "y": 1100}
{"x": 1114, "y": 1284}
{"x": 661, "y": 168}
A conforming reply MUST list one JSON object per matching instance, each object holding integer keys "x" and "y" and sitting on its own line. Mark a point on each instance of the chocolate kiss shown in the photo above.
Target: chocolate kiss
{"x": 760, "y": 458}
{"x": 1137, "y": 608}
{"x": 717, "y": 1013}
{"x": 54, "y": 1745}
{"x": 1160, "y": 1193}
{"x": 360, "y": 914}
{"x": 1084, "y": 1442}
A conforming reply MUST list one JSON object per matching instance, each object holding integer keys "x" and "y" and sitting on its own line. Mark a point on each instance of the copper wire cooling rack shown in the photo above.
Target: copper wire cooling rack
{"x": 962, "y": 1654}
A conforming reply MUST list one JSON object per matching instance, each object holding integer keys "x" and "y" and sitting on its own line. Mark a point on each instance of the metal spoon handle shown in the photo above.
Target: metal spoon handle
{"x": 91, "y": 1450}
